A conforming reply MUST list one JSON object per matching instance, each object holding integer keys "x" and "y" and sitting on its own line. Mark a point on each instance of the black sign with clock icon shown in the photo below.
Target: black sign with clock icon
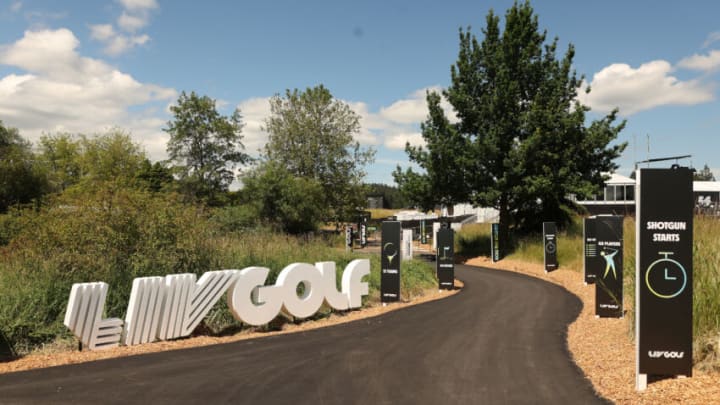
{"x": 550, "y": 243}
{"x": 664, "y": 297}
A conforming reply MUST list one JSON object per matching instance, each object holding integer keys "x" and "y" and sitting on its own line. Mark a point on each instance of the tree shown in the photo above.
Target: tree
{"x": 704, "y": 175}
{"x": 60, "y": 154}
{"x": 521, "y": 144}
{"x": 392, "y": 197}
{"x": 204, "y": 146}
{"x": 290, "y": 202}
{"x": 311, "y": 134}
{"x": 21, "y": 178}
{"x": 79, "y": 162}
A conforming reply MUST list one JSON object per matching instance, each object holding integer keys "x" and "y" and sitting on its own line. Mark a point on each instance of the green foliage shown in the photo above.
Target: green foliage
{"x": 443, "y": 160}
{"x": 21, "y": 179}
{"x": 60, "y": 155}
{"x": 311, "y": 135}
{"x": 392, "y": 197}
{"x": 204, "y": 146}
{"x": 235, "y": 218}
{"x": 154, "y": 177}
{"x": 521, "y": 144}
{"x": 290, "y": 202}
{"x": 106, "y": 235}
{"x": 78, "y": 163}
{"x": 704, "y": 175}
{"x": 473, "y": 240}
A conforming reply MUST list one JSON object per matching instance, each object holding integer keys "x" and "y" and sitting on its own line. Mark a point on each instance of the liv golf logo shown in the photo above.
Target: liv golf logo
{"x": 162, "y": 308}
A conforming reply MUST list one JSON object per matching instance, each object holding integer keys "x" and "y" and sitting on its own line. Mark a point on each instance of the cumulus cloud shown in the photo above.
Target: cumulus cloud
{"x": 138, "y": 5}
{"x": 705, "y": 63}
{"x": 135, "y": 16}
{"x": 254, "y": 112}
{"x": 711, "y": 39}
{"x": 60, "y": 90}
{"x": 648, "y": 86}
{"x": 399, "y": 140}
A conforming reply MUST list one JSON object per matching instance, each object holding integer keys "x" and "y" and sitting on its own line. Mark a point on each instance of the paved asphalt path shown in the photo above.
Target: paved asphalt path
{"x": 500, "y": 340}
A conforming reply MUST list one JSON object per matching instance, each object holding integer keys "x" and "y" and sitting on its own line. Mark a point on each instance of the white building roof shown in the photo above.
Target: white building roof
{"x": 706, "y": 186}
{"x": 619, "y": 179}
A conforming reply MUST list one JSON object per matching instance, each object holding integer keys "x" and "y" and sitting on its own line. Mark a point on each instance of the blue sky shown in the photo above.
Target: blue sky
{"x": 88, "y": 66}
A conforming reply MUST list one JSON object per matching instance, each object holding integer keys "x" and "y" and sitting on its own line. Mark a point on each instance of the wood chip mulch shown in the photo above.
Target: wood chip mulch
{"x": 605, "y": 350}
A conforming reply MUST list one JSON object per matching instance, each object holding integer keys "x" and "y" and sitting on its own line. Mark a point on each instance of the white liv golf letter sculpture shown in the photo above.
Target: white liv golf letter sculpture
{"x": 172, "y": 306}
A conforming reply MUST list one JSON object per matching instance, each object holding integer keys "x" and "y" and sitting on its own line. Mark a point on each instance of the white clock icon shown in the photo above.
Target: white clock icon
{"x": 666, "y": 278}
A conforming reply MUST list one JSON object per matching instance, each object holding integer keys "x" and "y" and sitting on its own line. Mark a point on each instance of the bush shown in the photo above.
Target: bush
{"x": 111, "y": 236}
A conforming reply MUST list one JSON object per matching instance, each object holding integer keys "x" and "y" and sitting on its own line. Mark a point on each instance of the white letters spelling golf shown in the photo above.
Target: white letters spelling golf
{"x": 172, "y": 306}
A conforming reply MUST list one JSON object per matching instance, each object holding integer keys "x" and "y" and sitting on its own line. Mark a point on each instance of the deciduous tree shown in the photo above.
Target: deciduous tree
{"x": 205, "y": 147}
{"x": 311, "y": 134}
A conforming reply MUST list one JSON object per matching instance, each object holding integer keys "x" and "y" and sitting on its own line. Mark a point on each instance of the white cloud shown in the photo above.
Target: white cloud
{"x": 102, "y": 32}
{"x": 121, "y": 43}
{"x": 254, "y": 112}
{"x": 705, "y": 63}
{"x": 711, "y": 39}
{"x": 411, "y": 110}
{"x": 61, "y": 90}
{"x": 398, "y": 141}
{"x": 138, "y": 5}
{"x": 650, "y": 85}
{"x": 135, "y": 16}
{"x": 132, "y": 23}
{"x": 16, "y": 6}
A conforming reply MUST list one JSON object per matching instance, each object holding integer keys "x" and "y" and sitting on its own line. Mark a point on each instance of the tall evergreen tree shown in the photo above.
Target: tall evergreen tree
{"x": 521, "y": 144}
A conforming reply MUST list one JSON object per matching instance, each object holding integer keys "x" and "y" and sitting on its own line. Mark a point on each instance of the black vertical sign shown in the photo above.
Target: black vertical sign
{"x": 423, "y": 232}
{"x": 348, "y": 237}
{"x": 591, "y": 250}
{"x": 445, "y": 258}
{"x": 664, "y": 272}
{"x": 609, "y": 280}
{"x": 550, "y": 243}
{"x": 363, "y": 234}
{"x": 390, "y": 262}
{"x": 495, "y": 242}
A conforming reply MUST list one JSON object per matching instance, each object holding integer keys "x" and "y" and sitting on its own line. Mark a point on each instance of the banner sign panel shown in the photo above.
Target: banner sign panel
{"x": 664, "y": 272}
{"x": 495, "y": 242}
{"x": 348, "y": 237}
{"x": 609, "y": 280}
{"x": 591, "y": 256}
{"x": 390, "y": 262}
{"x": 550, "y": 243}
{"x": 446, "y": 258}
{"x": 363, "y": 234}
{"x": 423, "y": 232}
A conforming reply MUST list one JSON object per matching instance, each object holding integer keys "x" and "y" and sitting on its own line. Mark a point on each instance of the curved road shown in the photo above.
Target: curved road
{"x": 500, "y": 340}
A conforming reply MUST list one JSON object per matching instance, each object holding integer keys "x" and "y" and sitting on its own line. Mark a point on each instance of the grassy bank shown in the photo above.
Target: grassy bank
{"x": 116, "y": 236}
{"x": 706, "y": 272}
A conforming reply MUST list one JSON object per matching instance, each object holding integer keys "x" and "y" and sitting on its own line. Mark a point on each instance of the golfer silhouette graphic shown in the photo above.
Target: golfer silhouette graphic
{"x": 610, "y": 262}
